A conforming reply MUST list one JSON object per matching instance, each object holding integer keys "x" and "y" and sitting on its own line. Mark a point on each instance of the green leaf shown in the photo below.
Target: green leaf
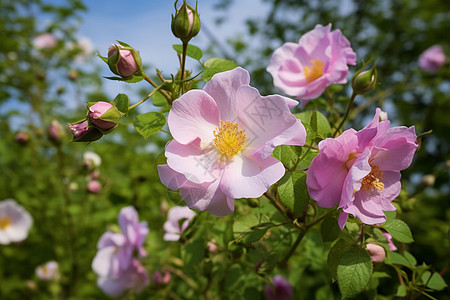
{"x": 216, "y": 65}
{"x": 335, "y": 255}
{"x": 399, "y": 230}
{"x": 254, "y": 234}
{"x": 243, "y": 223}
{"x": 288, "y": 155}
{"x": 329, "y": 229}
{"x": 192, "y": 51}
{"x": 122, "y": 103}
{"x": 401, "y": 291}
{"x": 293, "y": 192}
{"x": 395, "y": 258}
{"x": 318, "y": 122}
{"x": 435, "y": 282}
{"x": 158, "y": 99}
{"x": 149, "y": 123}
{"x": 353, "y": 272}
{"x": 193, "y": 252}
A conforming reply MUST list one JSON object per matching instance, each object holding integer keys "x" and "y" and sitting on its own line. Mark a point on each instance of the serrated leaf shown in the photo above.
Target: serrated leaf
{"x": 329, "y": 229}
{"x": 191, "y": 51}
{"x": 317, "y": 121}
{"x": 353, "y": 272}
{"x": 293, "y": 192}
{"x": 395, "y": 258}
{"x": 122, "y": 103}
{"x": 243, "y": 223}
{"x": 399, "y": 230}
{"x": 335, "y": 254}
{"x": 149, "y": 123}
{"x": 435, "y": 282}
{"x": 216, "y": 65}
{"x": 287, "y": 154}
{"x": 254, "y": 234}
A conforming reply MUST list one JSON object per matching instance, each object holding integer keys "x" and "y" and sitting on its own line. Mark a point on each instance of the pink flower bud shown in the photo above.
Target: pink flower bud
{"x": 94, "y": 187}
{"x": 22, "y": 138}
{"x": 281, "y": 290}
{"x": 376, "y": 252}
{"x": 161, "y": 277}
{"x": 391, "y": 244}
{"x": 45, "y": 41}
{"x": 79, "y": 129}
{"x": 126, "y": 64}
{"x": 212, "y": 246}
{"x": 56, "y": 132}
{"x": 186, "y": 22}
{"x": 95, "y": 174}
{"x": 432, "y": 59}
{"x": 97, "y": 111}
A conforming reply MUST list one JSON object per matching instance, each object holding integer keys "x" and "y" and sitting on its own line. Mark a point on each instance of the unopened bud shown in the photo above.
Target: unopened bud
{"x": 56, "y": 132}
{"x": 83, "y": 133}
{"x": 281, "y": 290}
{"x": 428, "y": 180}
{"x": 376, "y": 252}
{"x": 161, "y": 277}
{"x": 212, "y": 246}
{"x": 103, "y": 115}
{"x": 94, "y": 187}
{"x": 73, "y": 75}
{"x": 365, "y": 81}
{"x": 186, "y": 22}
{"x": 22, "y": 138}
{"x": 124, "y": 61}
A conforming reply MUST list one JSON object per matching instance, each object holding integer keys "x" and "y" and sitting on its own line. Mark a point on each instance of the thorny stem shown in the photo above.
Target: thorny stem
{"x": 146, "y": 98}
{"x": 153, "y": 84}
{"x": 349, "y": 107}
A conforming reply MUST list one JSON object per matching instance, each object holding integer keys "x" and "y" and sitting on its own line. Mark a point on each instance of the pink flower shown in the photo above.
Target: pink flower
{"x": 115, "y": 261}
{"x": 48, "y": 271}
{"x": 391, "y": 244}
{"x": 79, "y": 129}
{"x": 172, "y": 225}
{"x": 45, "y": 41}
{"x": 126, "y": 64}
{"x": 161, "y": 277}
{"x": 135, "y": 278}
{"x": 83, "y": 133}
{"x": 306, "y": 69}
{"x": 360, "y": 171}
{"x": 22, "y": 138}
{"x": 223, "y": 138}
{"x": 376, "y": 252}
{"x": 97, "y": 111}
{"x": 15, "y": 222}
{"x": 432, "y": 59}
{"x": 94, "y": 186}
{"x": 282, "y": 289}
{"x": 56, "y": 132}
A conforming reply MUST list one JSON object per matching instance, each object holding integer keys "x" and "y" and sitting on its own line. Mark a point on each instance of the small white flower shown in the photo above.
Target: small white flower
{"x": 15, "y": 222}
{"x": 91, "y": 160}
{"x": 48, "y": 271}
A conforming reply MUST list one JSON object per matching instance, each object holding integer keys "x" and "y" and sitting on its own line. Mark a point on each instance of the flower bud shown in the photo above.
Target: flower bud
{"x": 83, "y": 133}
{"x": 22, "y": 138}
{"x": 212, "y": 246}
{"x": 186, "y": 22}
{"x": 376, "y": 252}
{"x": 281, "y": 290}
{"x": 124, "y": 61}
{"x": 428, "y": 180}
{"x": 94, "y": 187}
{"x": 364, "y": 81}
{"x": 45, "y": 41}
{"x": 91, "y": 161}
{"x": 56, "y": 132}
{"x": 103, "y": 115}
{"x": 161, "y": 277}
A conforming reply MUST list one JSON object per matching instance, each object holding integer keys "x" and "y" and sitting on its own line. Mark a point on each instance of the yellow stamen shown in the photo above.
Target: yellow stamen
{"x": 315, "y": 71}
{"x": 5, "y": 222}
{"x": 229, "y": 140}
{"x": 373, "y": 180}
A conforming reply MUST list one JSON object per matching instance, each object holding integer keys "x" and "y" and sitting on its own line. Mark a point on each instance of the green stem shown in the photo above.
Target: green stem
{"x": 283, "y": 262}
{"x": 349, "y": 107}
{"x": 183, "y": 63}
{"x": 146, "y": 98}
{"x": 153, "y": 84}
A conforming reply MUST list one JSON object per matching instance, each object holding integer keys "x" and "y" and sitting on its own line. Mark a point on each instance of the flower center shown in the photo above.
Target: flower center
{"x": 44, "y": 269}
{"x": 229, "y": 140}
{"x": 315, "y": 71}
{"x": 372, "y": 180}
{"x": 5, "y": 222}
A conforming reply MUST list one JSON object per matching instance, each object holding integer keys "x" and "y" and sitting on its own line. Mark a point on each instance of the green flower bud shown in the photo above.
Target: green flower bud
{"x": 364, "y": 81}
{"x": 186, "y": 22}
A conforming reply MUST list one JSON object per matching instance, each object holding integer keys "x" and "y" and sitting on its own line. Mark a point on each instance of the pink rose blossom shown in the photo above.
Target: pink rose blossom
{"x": 306, "y": 69}
{"x": 360, "y": 171}
{"x": 45, "y": 41}
{"x": 376, "y": 252}
{"x": 126, "y": 65}
{"x": 172, "y": 225}
{"x": 281, "y": 290}
{"x": 48, "y": 271}
{"x": 432, "y": 59}
{"x": 96, "y": 111}
{"x": 94, "y": 186}
{"x": 224, "y": 136}
{"x": 15, "y": 222}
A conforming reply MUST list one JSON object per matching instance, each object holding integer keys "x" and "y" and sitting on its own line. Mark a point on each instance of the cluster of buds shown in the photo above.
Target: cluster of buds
{"x": 186, "y": 22}
{"x": 102, "y": 117}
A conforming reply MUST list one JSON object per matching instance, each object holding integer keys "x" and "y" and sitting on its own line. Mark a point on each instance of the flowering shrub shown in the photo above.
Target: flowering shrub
{"x": 285, "y": 197}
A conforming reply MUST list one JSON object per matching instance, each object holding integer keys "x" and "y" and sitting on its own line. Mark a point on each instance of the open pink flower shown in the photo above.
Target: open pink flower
{"x": 172, "y": 226}
{"x": 48, "y": 271}
{"x": 306, "y": 69}
{"x": 360, "y": 171}
{"x": 15, "y": 222}
{"x": 223, "y": 138}
{"x": 432, "y": 59}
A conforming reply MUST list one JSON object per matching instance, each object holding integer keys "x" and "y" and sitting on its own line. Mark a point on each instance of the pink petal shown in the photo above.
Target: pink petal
{"x": 171, "y": 179}
{"x": 194, "y": 115}
{"x": 248, "y": 178}
{"x": 222, "y": 88}
{"x": 343, "y": 216}
{"x": 360, "y": 169}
